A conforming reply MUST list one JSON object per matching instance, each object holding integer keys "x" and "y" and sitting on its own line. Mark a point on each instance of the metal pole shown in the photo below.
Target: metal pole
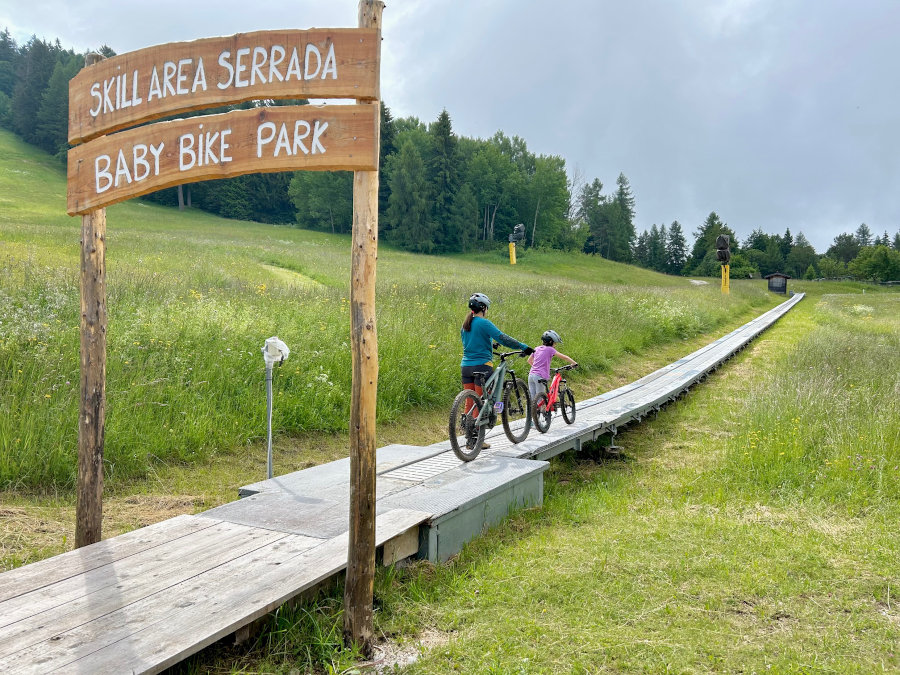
{"x": 269, "y": 415}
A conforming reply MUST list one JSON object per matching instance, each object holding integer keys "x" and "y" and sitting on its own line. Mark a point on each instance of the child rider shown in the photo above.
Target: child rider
{"x": 540, "y": 362}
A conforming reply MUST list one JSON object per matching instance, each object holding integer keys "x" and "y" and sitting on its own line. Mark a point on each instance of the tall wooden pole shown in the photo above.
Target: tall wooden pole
{"x": 92, "y": 410}
{"x": 359, "y": 587}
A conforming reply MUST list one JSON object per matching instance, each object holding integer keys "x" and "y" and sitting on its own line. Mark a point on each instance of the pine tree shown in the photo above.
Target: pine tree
{"x": 863, "y": 236}
{"x": 52, "y": 130}
{"x": 787, "y": 243}
{"x": 642, "y": 249}
{"x": 622, "y": 230}
{"x": 464, "y": 218}
{"x": 407, "y": 205}
{"x": 845, "y": 248}
{"x": 897, "y": 241}
{"x": 9, "y": 57}
{"x": 757, "y": 240}
{"x": 676, "y": 249}
{"x": 705, "y": 241}
{"x": 657, "y": 246}
{"x": 387, "y": 148}
{"x": 588, "y": 212}
{"x": 35, "y": 68}
{"x": 801, "y": 256}
{"x": 443, "y": 176}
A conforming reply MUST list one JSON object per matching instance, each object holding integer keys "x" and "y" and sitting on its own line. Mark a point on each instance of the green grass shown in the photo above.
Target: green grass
{"x": 751, "y": 529}
{"x": 192, "y": 298}
{"x": 696, "y": 553}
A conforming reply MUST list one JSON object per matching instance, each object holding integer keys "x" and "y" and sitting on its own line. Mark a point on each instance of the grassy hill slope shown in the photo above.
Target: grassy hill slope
{"x": 192, "y": 297}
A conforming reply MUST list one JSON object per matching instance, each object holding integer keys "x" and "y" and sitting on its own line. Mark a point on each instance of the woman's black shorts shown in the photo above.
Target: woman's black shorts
{"x": 468, "y": 373}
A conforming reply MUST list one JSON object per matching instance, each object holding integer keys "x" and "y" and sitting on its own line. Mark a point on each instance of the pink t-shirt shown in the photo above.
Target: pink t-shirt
{"x": 540, "y": 366}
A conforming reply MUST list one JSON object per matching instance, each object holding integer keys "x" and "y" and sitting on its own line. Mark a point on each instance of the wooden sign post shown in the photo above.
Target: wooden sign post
{"x": 104, "y": 168}
{"x": 360, "y": 582}
{"x": 92, "y": 406}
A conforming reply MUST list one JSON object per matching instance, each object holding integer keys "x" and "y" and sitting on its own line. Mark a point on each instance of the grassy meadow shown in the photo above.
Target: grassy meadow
{"x": 750, "y": 528}
{"x": 192, "y": 298}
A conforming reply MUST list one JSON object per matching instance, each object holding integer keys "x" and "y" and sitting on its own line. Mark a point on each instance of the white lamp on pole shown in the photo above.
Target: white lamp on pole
{"x": 274, "y": 351}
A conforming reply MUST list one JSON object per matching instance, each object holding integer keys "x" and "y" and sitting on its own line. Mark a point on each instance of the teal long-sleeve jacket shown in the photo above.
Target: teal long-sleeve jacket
{"x": 478, "y": 341}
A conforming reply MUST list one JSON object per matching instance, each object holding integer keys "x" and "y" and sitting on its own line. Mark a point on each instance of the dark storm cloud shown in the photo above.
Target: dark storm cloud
{"x": 774, "y": 114}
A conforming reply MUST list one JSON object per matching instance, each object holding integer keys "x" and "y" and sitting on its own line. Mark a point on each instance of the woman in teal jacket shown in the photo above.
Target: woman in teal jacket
{"x": 478, "y": 335}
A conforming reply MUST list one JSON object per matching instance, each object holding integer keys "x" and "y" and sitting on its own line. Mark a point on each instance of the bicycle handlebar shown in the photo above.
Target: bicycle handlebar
{"x": 571, "y": 366}
{"x": 506, "y": 355}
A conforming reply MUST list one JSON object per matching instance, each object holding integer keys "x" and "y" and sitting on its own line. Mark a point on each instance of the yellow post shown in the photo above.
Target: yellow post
{"x": 726, "y": 279}
{"x": 512, "y": 253}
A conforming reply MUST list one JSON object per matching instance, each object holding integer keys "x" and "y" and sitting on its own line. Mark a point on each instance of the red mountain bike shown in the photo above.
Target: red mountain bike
{"x": 558, "y": 396}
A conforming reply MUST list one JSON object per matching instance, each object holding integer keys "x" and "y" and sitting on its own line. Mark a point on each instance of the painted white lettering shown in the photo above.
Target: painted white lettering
{"x": 209, "y": 154}
{"x": 122, "y": 168}
{"x": 273, "y": 63}
{"x": 181, "y": 81}
{"x": 156, "y": 151}
{"x": 200, "y": 148}
{"x": 225, "y": 63}
{"x": 310, "y": 50}
{"x": 199, "y": 77}
{"x": 223, "y": 147}
{"x": 318, "y": 131}
{"x": 260, "y": 139}
{"x": 294, "y": 67}
{"x": 259, "y": 60}
{"x": 168, "y": 76}
{"x": 107, "y": 103}
{"x": 186, "y": 149}
{"x": 283, "y": 141}
{"x": 330, "y": 63}
{"x": 126, "y": 102}
{"x": 239, "y": 67}
{"x": 298, "y": 138}
{"x": 102, "y": 174}
{"x": 139, "y": 159}
{"x": 135, "y": 97}
{"x": 155, "y": 88}
{"x": 95, "y": 93}
{"x": 118, "y": 92}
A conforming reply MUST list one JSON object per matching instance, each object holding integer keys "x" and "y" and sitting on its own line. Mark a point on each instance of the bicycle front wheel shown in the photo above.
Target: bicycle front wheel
{"x": 567, "y": 399}
{"x": 542, "y": 413}
{"x": 465, "y": 437}
{"x": 516, "y": 407}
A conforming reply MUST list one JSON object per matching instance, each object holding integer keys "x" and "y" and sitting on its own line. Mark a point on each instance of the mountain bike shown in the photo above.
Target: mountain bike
{"x": 558, "y": 395}
{"x": 472, "y": 415}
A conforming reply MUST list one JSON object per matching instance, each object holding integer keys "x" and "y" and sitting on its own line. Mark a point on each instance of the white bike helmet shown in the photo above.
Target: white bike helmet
{"x": 479, "y": 302}
{"x": 551, "y": 335}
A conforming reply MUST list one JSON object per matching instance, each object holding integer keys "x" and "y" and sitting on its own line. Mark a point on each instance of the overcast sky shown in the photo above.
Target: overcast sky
{"x": 773, "y": 113}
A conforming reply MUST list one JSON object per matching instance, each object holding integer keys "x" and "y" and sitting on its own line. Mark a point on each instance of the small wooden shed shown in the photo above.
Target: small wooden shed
{"x": 777, "y": 282}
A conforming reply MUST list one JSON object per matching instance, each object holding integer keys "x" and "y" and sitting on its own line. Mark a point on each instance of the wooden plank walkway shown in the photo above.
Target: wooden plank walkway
{"x": 146, "y": 600}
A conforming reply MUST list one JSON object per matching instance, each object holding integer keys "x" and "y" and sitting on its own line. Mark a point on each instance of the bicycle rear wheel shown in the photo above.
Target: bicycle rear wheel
{"x": 516, "y": 406}
{"x": 567, "y": 399}
{"x": 542, "y": 413}
{"x": 462, "y": 424}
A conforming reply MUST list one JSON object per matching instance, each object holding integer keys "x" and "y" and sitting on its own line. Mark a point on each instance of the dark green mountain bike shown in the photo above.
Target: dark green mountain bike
{"x": 472, "y": 415}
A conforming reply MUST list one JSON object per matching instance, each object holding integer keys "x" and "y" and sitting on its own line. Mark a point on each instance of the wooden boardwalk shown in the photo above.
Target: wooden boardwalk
{"x": 146, "y": 600}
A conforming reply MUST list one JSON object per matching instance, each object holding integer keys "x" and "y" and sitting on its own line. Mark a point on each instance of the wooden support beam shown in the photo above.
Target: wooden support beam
{"x": 359, "y": 586}
{"x": 92, "y": 408}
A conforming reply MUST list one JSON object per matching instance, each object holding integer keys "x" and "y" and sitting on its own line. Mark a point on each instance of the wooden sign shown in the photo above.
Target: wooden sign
{"x": 177, "y": 77}
{"x": 134, "y": 162}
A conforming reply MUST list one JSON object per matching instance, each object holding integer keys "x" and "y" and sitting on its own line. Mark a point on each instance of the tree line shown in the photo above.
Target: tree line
{"x": 444, "y": 193}
{"x": 861, "y": 255}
